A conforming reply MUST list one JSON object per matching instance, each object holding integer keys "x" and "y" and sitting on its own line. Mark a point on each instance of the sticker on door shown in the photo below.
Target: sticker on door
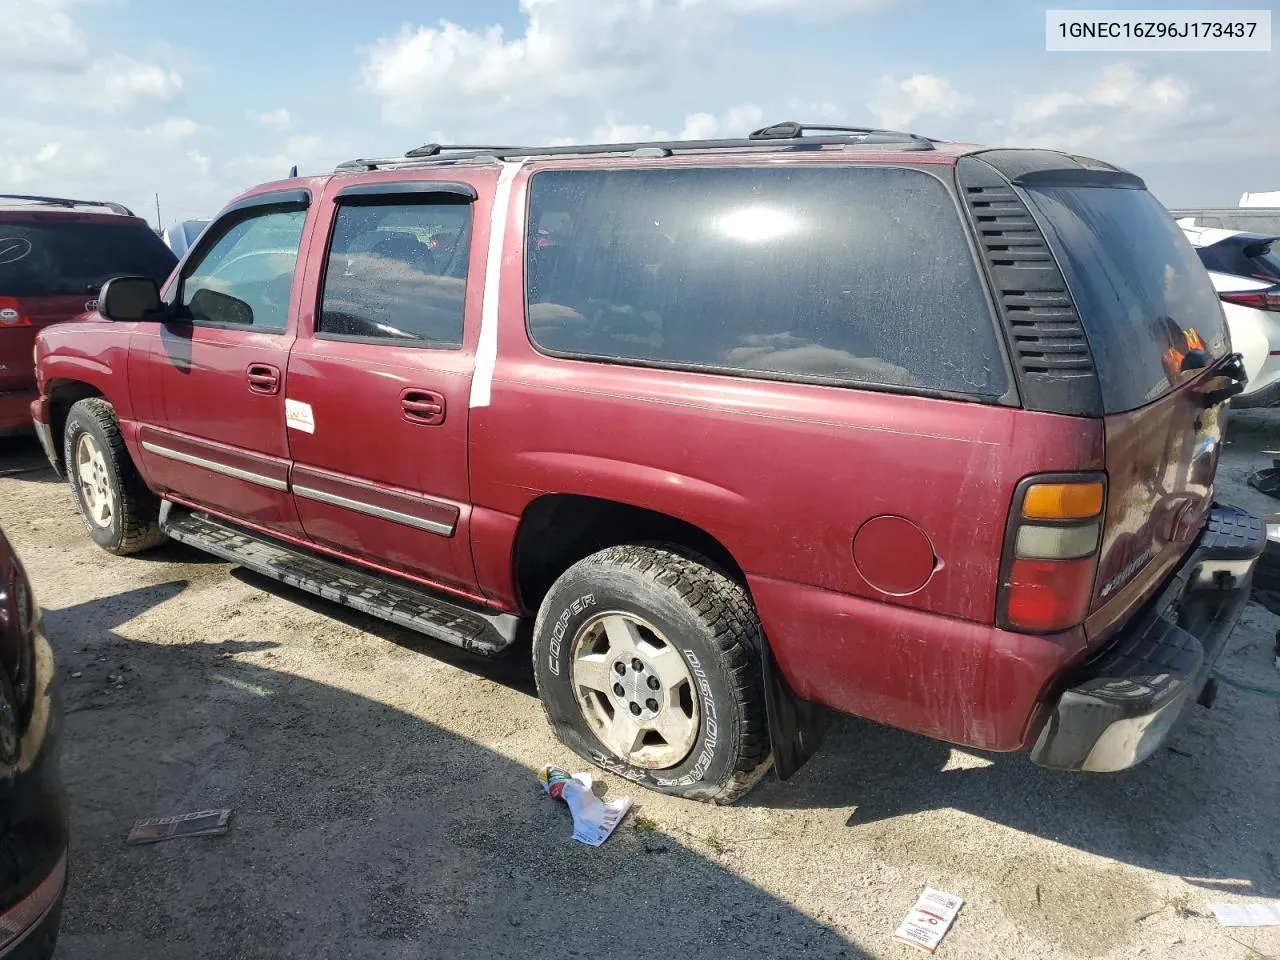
{"x": 298, "y": 416}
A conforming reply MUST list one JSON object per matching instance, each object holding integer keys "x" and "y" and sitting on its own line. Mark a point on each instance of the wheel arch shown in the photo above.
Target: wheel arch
{"x": 63, "y": 394}
{"x": 557, "y": 530}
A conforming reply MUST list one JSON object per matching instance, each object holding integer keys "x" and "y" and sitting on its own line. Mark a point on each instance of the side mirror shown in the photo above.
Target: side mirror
{"x": 131, "y": 298}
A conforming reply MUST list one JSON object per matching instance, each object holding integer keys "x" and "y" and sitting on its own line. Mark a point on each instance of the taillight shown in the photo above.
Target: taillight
{"x": 11, "y": 314}
{"x": 1051, "y": 552}
{"x": 1257, "y": 299}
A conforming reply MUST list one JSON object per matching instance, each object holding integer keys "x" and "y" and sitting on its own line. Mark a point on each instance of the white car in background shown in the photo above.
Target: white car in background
{"x": 1245, "y": 270}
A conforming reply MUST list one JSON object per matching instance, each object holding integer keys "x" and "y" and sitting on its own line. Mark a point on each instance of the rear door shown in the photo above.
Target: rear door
{"x": 1157, "y": 334}
{"x": 209, "y": 386}
{"x": 378, "y": 386}
{"x": 52, "y": 266}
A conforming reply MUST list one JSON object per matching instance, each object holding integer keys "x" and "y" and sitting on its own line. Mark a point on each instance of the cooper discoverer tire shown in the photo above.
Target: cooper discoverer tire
{"x": 120, "y": 513}
{"x": 648, "y": 664}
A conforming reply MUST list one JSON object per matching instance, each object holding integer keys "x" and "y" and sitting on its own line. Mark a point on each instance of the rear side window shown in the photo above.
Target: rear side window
{"x": 1254, "y": 257}
{"x": 1144, "y": 298}
{"x": 66, "y": 257}
{"x": 397, "y": 271}
{"x": 848, "y": 275}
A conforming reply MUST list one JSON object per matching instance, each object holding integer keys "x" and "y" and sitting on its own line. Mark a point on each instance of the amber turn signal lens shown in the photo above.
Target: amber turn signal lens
{"x": 1063, "y": 501}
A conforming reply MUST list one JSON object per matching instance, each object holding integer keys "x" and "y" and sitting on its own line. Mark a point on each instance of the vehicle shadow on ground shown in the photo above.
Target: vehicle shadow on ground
{"x": 22, "y": 456}
{"x": 1162, "y": 815}
{"x": 359, "y": 830}
{"x": 514, "y": 669}
{"x": 1183, "y": 812}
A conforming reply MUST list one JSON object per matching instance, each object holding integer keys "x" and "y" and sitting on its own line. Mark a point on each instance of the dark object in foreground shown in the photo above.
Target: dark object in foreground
{"x": 1267, "y": 481}
{"x": 33, "y": 807}
{"x": 203, "y": 823}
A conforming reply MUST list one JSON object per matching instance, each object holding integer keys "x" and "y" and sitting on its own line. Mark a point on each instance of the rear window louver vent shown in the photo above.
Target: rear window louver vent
{"x": 1049, "y": 351}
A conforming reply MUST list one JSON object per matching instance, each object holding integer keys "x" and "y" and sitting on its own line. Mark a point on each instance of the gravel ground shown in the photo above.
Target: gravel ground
{"x": 386, "y": 803}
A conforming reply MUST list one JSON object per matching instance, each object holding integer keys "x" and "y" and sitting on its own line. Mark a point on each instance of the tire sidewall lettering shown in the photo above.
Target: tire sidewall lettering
{"x": 706, "y": 767}
{"x": 555, "y": 647}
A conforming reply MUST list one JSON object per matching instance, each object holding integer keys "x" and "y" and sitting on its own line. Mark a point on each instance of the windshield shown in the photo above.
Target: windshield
{"x": 1144, "y": 297}
{"x": 69, "y": 257}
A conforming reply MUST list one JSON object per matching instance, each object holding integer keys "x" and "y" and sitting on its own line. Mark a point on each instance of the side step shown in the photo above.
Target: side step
{"x": 457, "y": 622}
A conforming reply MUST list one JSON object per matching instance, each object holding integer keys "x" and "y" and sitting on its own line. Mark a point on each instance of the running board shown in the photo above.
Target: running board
{"x": 452, "y": 621}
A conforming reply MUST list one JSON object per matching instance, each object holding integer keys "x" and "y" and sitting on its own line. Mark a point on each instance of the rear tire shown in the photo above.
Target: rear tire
{"x": 682, "y": 643}
{"x": 120, "y": 513}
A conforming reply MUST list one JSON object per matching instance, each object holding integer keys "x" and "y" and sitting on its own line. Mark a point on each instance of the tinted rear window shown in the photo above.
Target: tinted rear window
{"x": 1257, "y": 259}
{"x": 832, "y": 274}
{"x": 1144, "y": 297}
{"x": 67, "y": 257}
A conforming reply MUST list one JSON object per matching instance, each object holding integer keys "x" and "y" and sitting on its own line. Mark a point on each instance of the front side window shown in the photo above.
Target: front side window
{"x": 245, "y": 278}
{"x": 844, "y": 274}
{"x": 397, "y": 271}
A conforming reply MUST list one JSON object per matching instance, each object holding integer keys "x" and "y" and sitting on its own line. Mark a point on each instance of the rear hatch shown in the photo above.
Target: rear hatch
{"x": 52, "y": 266}
{"x": 1159, "y": 343}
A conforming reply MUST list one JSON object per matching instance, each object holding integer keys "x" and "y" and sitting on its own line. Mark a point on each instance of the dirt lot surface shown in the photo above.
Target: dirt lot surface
{"x": 386, "y": 803}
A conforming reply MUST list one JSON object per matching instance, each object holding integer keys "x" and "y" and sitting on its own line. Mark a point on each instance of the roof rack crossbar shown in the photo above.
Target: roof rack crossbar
{"x": 435, "y": 149}
{"x": 118, "y": 208}
{"x": 780, "y": 136}
{"x": 790, "y": 130}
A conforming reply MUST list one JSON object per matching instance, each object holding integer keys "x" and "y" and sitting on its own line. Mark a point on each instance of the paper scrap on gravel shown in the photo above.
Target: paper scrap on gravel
{"x": 930, "y": 919}
{"x": 1247, "y": 914}
{"x": 203, "y": 823}
{"x": 593, "y": 819}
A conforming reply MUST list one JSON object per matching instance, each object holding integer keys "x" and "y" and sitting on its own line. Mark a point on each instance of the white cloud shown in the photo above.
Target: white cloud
{"x": 173, "y": 130}
{"x": 310, "y": 153}
{"x": 737, "y": 122}
{"x": 570, "y": 49}
{"x": 41, "y": 34}
{"x": 47, "y": 59}
{"x": 572, "y": 56}
{"x": 277, "y": 119}
{"x": 804, "y": 7}
{"x": 1122, "y": 114}
{"x": 898, "y": 104}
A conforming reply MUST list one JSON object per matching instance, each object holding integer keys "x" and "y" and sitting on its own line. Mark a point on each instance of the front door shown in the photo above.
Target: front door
{"x": 378, "y": 388}
{"x": 209, "y": 385}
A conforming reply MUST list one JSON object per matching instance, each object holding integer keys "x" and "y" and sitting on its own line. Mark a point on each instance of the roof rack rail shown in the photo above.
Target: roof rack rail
{"x": 118, "y": 208}
{"x": 790, "y": 130}
{"x": 788, "y": 135}
{"x": 435, "y": 149}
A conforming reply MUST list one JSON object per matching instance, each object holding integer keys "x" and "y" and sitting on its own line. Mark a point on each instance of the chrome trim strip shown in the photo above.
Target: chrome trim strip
{"x": 246, "y": 475}
{"x": 382, "y": 513}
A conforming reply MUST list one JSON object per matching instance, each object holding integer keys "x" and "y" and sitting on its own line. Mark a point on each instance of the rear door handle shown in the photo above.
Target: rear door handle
{"x": 422, "y": 406}
{"x": 263, "y": 378}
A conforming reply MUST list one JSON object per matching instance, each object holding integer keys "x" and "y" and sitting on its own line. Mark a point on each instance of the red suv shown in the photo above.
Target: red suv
{"x": 55, "y": 255}
{"x": 736, "y": 430}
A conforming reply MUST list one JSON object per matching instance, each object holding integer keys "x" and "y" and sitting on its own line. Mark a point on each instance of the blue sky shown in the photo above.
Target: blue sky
{"x": 122, "y": 99}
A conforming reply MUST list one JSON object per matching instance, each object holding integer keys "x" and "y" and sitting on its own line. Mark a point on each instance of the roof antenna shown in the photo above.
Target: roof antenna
{"x": 293, "y": 171}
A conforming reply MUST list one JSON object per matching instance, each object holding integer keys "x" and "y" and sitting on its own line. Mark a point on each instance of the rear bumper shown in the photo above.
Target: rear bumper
{"x": 15, "y": 411}
{"x": 1122, "y": 703}
{"x": 1266, "y": 396}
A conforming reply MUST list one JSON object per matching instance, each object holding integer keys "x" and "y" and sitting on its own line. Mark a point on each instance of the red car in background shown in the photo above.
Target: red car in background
{"x": 55, "y": 255}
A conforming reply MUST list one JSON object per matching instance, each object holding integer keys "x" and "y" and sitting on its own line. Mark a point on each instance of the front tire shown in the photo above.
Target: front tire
{"x": 120, "y": 513}
{"x": 648, "y": 664}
